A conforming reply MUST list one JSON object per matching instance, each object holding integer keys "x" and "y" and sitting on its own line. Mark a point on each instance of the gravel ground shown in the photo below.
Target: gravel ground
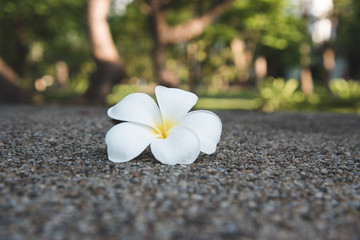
{"x": 274, "y": 176}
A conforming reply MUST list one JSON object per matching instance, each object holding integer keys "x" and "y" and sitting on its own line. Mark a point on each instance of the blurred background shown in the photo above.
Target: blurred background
{"x": 234, "y": 54}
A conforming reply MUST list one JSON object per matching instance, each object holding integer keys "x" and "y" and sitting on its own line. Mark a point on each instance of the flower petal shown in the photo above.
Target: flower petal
{"x": 180, "y": 147}
{"x": 174, "y": 103}
{"x": 137, "y": 108}
{"x": 126, "y": 141}
{"x": 207, "y": 126}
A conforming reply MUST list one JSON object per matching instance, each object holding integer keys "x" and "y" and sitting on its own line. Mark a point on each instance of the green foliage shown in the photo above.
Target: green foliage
{"x": 218, "y": 67}
{"x": 34, "y": 35}
{"x": 348, "y": 34}
{"x": 228, "y": 103}
{"x": 346, "y": 94}
{"x": 279, "y": 94}
{"x": 119, "y": 91}
{"x": 267, "y": 28}
{"x": 178, "y": 12}
{"x": 132, "y": 38}
{"x": 80, "y": 82}
{"x": 276, "y": 94}
{"x": 348, "y": 13}
{"x": 262, "y": 24}
{"x": 345, "y": 90}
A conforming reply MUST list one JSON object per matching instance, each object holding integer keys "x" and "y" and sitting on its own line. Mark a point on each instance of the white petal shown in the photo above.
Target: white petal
{"x": 138, "y": 108}
{"x": 126, "y": 141}
{"x": 174, "y": 103}
{"x": 180, "y": 147}
{"x": 207, "y": 126}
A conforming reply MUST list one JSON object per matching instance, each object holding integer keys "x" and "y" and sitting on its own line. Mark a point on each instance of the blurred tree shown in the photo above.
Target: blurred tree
{"x": 109, "y": 66}
{"x": 348, "y": 35}
{"x": 214, "y": 42}
{"x": 247, "y": 30}
{"x": 13, "y": 52}
{"x": 9, "y": 91}
{"x": 34, "y": 35}
{"x": 131, "y": 37}
{"x": 164, "y": 34}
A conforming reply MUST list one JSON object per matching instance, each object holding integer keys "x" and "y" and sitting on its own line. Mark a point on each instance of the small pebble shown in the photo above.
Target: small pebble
{"x": 324, "y": 171}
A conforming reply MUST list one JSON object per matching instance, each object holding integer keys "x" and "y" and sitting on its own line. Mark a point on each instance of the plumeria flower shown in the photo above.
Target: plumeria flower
{"x": 175, "y": 135}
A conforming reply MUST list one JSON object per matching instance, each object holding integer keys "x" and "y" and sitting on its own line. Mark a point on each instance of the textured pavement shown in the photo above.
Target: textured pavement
{"x": 274, "y": 176}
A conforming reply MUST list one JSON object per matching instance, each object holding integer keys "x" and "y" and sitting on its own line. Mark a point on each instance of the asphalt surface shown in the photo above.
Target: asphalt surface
{"x": 274, "y": 176}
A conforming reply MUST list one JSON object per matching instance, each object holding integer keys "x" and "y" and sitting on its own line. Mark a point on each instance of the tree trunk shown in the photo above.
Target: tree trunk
{"x": 109, "y": 66}
{"x": 158, "y": 53}
{"x": 328, "y": 55}
{"x": 166, "y": 77}
{"x": 190, "y": 29}
{"x": 307, "y": 84}
{"x": 9, "y": 91}
{"x": 192, "y": 65}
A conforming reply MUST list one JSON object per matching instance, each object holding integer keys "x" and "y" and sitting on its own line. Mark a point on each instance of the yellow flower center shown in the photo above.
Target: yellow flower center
{"x": 164, "y": 128}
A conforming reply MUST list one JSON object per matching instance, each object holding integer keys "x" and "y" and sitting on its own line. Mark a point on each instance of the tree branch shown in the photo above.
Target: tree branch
{"x": 7, "y": 72}
{"x": 189, "y": 29}
{"x": 9, "y": 91}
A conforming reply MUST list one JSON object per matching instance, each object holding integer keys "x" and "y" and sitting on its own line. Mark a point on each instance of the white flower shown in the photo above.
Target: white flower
{"x": 175, "y": 135}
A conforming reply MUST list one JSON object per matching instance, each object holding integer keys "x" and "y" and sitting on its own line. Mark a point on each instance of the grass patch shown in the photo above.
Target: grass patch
{"x": 227, "y": 103}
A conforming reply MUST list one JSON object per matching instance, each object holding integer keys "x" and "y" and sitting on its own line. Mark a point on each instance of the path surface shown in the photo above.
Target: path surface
{"x": 274, "y": 176}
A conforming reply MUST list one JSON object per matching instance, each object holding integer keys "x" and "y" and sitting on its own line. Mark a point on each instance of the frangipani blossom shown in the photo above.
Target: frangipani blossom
{"x": 175, "y": 135}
